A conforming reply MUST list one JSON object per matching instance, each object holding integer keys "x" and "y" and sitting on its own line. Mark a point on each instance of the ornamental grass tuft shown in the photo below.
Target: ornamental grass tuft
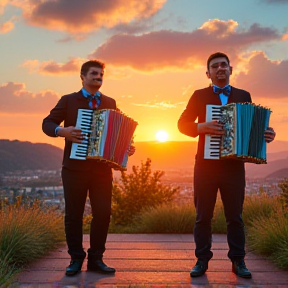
{"x": 26, "y": 233}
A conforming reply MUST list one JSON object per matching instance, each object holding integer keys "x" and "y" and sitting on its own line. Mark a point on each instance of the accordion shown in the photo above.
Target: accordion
{"x": 244, "y": 126}
{"x": 109, "y": 134}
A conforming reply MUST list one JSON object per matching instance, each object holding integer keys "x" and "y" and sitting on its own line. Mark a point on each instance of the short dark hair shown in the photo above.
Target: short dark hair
{"x": 217, "y": 55}
{"x": 91, "y": 63}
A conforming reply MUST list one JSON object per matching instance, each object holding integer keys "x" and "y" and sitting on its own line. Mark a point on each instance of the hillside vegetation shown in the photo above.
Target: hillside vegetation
{"x": 17, "y": 155}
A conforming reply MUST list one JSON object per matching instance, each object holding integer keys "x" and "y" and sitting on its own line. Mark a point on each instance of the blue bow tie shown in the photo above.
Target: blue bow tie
{"x": 226, "y": 90}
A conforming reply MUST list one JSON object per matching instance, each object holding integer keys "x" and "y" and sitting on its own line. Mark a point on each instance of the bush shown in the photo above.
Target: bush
{"x": 280, "y": 256}
{"x": 137, "y": 191}
{"x": 268, "y": 235}
{"x": 26, "y": 233}
{"x": 284, "y": 193}
{"x": 259, "y": 206}
{"x": 166, "y": 218}
{"x": 219, "y": 221}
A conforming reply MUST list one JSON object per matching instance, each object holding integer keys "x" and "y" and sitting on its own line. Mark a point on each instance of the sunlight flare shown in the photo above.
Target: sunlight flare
{"x": 162, "y": 136}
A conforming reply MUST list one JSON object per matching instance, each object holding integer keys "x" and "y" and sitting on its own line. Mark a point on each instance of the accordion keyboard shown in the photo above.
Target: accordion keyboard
{"x": 212, "y": 142}
{"x": 84, "y": 121}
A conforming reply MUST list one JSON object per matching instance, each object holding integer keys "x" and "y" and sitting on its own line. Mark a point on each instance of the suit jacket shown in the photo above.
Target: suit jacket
{"x": 196, "y": 108}
{"x": 66, "y": 110}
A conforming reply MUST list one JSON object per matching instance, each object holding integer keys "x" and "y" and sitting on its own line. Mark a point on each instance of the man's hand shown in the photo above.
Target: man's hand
{"x": 269, "y": 134}
{"x": 71, "y": 134}
{"x": 212, "y": 128}
{"x": 131, "y": 150}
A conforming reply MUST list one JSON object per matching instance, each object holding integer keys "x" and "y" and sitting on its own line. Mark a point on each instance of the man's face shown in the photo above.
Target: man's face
{"x": 94, "y": 78}
{"x": 219, "y": 71}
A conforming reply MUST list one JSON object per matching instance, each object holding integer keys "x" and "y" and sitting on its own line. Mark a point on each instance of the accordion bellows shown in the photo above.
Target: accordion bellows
{"x": 109, "y": 136}
{"x": 244, "y": 125}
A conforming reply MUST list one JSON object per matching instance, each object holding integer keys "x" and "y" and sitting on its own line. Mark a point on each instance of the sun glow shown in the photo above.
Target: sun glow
{"x": 162, "y": 136}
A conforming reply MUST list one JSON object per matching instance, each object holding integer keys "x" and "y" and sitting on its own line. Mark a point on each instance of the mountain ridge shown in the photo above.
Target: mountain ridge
{"x": 171, "y": 155}
{"x": 18, "y": 155}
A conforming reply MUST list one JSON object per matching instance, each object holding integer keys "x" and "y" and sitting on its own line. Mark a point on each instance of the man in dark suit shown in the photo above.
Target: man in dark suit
{"x": 212, "y": 174}
{"x": 81, "y": 176}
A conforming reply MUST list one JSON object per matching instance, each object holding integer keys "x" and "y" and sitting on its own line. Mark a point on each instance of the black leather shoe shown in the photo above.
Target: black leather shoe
{"x": 240, "y": 269}
{"x": 74, "y": 267}
{"x": 99, "y": 266}
{"x": 199, "y": 269}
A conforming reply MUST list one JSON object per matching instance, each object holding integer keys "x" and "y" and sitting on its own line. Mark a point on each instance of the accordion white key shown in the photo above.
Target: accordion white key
{"x": 109, "y": 134}
{"x": 212, "y": 142}
{"x": 244, "y": 126}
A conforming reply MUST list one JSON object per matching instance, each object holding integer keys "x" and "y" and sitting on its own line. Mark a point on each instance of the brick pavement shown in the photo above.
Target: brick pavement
{"x": 151, "y": 260}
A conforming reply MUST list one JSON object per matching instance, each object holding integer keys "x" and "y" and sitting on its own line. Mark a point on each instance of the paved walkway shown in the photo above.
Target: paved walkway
{"x": 152, "y": 260}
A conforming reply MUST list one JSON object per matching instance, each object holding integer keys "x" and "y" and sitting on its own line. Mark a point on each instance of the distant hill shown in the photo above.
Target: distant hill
{"x": 277, "y": 155}
{"x": 277, "y": 146}
{"x": 173, "y": 155}
{"x": 19, "y": 155}
{"x": 282, "y": 173}
{"x": 263, "y": 170}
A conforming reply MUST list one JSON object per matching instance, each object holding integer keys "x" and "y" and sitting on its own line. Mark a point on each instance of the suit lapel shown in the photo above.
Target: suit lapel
{"x": 80, "y": 96}
{"x": 104, "y": 102}
{"x": 231, "y": 96}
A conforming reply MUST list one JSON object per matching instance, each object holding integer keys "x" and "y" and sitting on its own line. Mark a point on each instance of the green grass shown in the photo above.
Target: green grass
{"x": 268, "y": 235}
{"x": 259, "y": 206}
{"x": 166, "y": 219}
{"x": 26, "y": 233}
{"x": 171, "y": 218}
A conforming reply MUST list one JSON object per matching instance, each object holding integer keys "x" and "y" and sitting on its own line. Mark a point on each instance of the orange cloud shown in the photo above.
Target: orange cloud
{"x": 53, "y": 68}
{"x": 285, "y": 36}
{"x": 3, "y": 3}
{"x": 264, "y": 78}
{"x": 15, "y": 98}
{"x": 222, "y": 28}
{"x": 76, "y": 16}
{"x": 157, "y": 50}
{"x": 6, "y": 27}
{"x": 164, "y": 50}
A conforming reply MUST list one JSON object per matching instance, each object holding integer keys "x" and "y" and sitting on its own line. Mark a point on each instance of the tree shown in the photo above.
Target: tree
{"x": 138, "y": 190}
{"x": 284, "y": 194}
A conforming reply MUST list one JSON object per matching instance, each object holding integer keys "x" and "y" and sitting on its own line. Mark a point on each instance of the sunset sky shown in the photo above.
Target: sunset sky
{"x": 155, "y": 53}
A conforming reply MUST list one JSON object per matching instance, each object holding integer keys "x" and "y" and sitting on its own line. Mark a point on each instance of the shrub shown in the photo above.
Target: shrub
{"x": 166, "y": 218}
{"x": 219, "y": 221}
{"x": 259, "y": 206}
{"x": 138, "y": 190}
{"x": 26, "y": 233}
{"x": 87, "y": 219}
{"x": 268, "y": 235}
{"x": 280, "y": 256}
{"x": 284, "y": 193}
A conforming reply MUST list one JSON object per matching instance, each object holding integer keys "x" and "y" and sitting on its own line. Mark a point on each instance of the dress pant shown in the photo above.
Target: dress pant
{"x": 77, "y": 186}
{"x": 227, "y": 176}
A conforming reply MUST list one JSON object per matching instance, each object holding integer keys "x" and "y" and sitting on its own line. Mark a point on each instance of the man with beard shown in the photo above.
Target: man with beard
{"x": 81, "y": 176}
{"x": 227, "y": 175}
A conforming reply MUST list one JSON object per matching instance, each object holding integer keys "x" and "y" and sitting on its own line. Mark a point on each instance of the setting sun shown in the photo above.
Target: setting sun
{"x": 162, "y": 136}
